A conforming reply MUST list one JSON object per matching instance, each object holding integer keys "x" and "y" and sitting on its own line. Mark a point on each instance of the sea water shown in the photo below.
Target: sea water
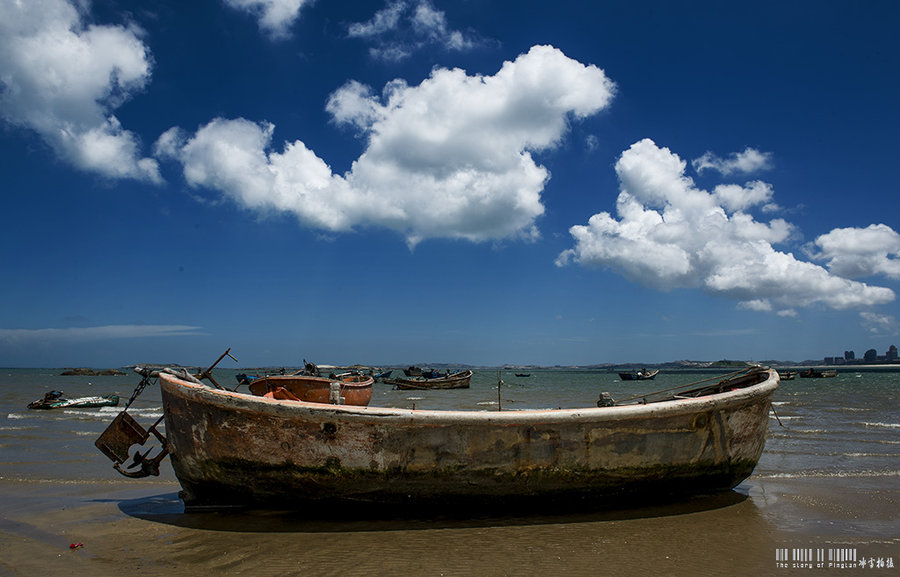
{"x": 846, "y": 427}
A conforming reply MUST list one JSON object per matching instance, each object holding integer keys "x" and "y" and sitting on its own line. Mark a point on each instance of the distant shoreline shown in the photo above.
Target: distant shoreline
{"x": 667, "y": 366}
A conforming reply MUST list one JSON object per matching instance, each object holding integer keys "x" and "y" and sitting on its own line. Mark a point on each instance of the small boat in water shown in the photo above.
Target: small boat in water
{"x": 458, "y": 380}
{"x": 787, "y": 375}
{"x": 413, "y": 371}
{"x": 309, "y": 385}
{"x": 57, "y": 400}
{"x": 345, "y": 389}
{"x": 641, "y": 375}
{"x": 230, "y": 448}
{"x": 817, "y": 374}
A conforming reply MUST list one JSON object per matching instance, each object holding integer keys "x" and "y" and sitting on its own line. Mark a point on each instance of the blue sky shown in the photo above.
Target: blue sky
{"x": 471, "y": 182}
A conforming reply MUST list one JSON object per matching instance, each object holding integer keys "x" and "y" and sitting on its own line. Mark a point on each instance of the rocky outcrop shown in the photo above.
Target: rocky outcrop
{"x": 90, "y": 372}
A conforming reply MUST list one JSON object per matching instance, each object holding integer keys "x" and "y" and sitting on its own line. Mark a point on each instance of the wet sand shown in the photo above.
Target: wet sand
{"x": 138, "y": 528}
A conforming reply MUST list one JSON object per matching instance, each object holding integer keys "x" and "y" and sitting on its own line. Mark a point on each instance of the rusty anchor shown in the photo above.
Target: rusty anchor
{"x": 120, "y": 435}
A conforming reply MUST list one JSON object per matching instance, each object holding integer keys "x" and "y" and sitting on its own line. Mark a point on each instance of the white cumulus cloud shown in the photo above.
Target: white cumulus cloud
{"x": 275, "y": 17}
{"x": 450, "y": 157}
{"x": 669, "y": 233}
{"x": 879, "y": 324}
{"x": 403, "y": 27}
{"x": 62, "y": 77}
{"x": 748, "y": 161}
{"x": 861, "y": 252}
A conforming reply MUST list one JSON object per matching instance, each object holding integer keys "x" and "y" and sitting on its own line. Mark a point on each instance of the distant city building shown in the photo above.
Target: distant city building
{"x": 871, "y": 356}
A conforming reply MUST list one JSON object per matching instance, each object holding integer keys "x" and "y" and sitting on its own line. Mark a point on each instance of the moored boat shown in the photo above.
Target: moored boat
{"x": 641, "y": 375}
{"x": 237, "y": 449}
{"x": 787, "y": 375}
{"x": 345, "y": 389}
{"x": 817, "y": 374}
{"x": 57, "y": 400}
{"x": 458, "y": 380}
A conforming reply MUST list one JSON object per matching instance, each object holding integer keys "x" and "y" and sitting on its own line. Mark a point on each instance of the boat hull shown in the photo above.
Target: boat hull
{"x": 460, "y": 380}
{"x": 232, "y": 449}
{"x": 815, "y": 374}
{"x": 638, "y": 375}
{"x": 81, "y": 403}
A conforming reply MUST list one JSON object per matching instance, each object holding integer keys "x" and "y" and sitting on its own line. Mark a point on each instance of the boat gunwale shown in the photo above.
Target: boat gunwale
{"x": 304, "y": 409}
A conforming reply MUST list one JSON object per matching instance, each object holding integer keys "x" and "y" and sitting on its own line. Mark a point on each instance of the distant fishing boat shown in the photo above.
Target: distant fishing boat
{"x": 523, "y": 375}
{"x": 641, "y": 375}
{"x": 787, "y": 375}
{"x": 57, "y": 400}
{"x": 817, "y": 374}
{"x": 458, "y": 380}
{"x": 237, "y": 449}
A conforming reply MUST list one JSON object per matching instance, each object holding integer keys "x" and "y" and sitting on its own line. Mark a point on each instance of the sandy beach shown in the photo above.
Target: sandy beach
{"x": 141, "y": 529}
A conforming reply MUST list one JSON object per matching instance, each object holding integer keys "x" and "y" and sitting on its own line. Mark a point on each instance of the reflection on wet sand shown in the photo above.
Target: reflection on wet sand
{"x": 717, "y": 534}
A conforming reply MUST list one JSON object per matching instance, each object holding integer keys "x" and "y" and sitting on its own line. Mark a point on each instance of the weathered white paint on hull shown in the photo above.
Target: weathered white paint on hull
{"x": 229, "y": 448}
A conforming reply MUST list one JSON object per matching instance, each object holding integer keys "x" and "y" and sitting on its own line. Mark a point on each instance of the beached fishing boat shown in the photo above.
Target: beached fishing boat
{"x": 237, "y": 449}
{"x": 351, "y": 388}
{"x": 57, "y": 400}
{"x": 458, "y": 380}
{"x": 641, "y": 375}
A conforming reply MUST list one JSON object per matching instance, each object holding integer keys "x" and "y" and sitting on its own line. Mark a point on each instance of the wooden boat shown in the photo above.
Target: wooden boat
{"x": 236, "y": 449}
{"x": 413, "y": 371}
{"x": 56, "y": 400}
{"x": 641, "y": 375}
{"x": 523, "y": 375}
{"x": 787, "y": 375}
{"x": 817, "y": 374}
{"x": 351, "y": 388}
{"x": 382, "y": 375}
{"x": 459, "y": 380}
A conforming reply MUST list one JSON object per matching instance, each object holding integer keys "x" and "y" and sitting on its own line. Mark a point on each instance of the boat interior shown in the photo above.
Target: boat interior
{"x": 731, "y": 382}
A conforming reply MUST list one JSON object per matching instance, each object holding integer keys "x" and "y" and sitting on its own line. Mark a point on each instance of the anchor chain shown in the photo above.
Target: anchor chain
{"x": 146, "y": 380}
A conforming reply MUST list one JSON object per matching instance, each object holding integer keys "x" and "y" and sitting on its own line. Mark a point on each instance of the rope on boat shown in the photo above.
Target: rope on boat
{"x": 776, "y": 415}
